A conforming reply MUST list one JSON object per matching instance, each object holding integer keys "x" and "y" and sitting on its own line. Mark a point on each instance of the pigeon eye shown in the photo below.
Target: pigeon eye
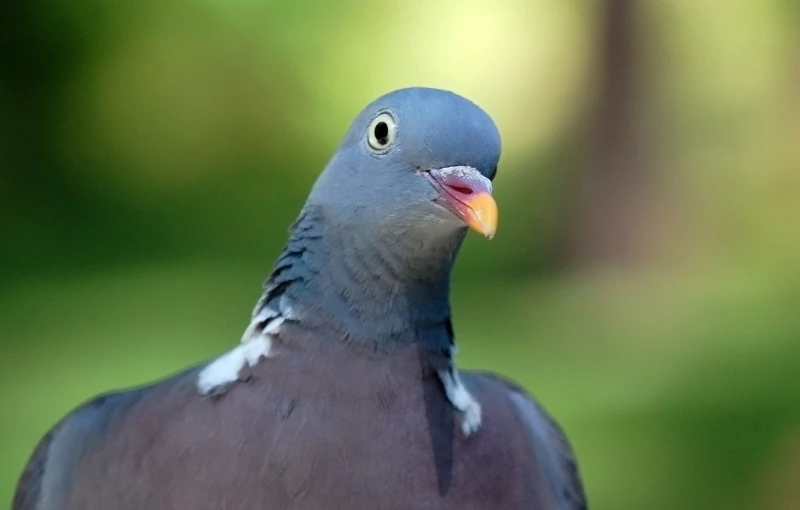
{"x": 382, "y": 131}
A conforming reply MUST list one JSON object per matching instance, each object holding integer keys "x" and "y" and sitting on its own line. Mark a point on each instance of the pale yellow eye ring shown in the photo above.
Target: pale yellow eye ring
{"x": 382, "y": 132}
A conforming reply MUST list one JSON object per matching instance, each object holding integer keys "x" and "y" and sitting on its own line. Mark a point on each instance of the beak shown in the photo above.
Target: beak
{"x": 465, "y": 192}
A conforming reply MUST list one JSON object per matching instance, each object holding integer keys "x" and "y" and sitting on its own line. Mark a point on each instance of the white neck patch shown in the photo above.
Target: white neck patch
{"x": 256, "y": 344}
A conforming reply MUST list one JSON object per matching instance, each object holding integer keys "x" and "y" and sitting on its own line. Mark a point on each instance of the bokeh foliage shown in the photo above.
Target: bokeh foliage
{"x": 154, "y": 153}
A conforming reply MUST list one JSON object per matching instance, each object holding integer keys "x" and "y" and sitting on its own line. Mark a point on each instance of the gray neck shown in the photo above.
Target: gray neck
{"x": 379, "y": 294}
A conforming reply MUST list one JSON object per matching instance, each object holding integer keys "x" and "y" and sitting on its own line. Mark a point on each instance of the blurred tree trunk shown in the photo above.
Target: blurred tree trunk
{"x": 606, "y": 217}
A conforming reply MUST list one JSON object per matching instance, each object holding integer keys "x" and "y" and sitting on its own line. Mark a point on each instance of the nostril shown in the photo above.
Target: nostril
{"x": 461, "y": 189}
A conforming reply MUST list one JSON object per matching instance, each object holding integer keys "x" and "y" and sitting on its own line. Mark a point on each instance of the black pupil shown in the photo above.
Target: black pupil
{"x": 382, "y": 133}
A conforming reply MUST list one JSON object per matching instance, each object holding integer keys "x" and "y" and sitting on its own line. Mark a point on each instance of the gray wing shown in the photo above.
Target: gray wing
{"x": 30, "y": 483}
{"x": 552, "y": 449}
{"x": 52, "y": 469}
{"x": 48, "y": 477}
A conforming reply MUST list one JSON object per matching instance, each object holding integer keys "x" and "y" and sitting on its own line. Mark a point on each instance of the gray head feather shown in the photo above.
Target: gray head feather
{"x": 434, "y": 129}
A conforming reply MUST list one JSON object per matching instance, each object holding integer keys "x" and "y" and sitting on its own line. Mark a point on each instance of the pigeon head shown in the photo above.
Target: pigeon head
{"x": 416, "y": 163}
{"x": 372, "y": 250}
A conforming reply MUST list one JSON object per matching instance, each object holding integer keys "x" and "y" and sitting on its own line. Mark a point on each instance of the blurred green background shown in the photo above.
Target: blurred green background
{"x": 644, "y": 283}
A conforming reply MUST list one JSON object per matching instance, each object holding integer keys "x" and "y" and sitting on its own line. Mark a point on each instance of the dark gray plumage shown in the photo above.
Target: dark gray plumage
{"x": 343, "y": 392}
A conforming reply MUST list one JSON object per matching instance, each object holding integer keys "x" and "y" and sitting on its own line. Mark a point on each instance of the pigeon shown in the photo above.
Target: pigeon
{"x": 343, "y": 391}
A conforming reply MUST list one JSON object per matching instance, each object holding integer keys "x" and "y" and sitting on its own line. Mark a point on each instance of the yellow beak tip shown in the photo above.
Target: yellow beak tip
{"x": 483, "y": 216}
